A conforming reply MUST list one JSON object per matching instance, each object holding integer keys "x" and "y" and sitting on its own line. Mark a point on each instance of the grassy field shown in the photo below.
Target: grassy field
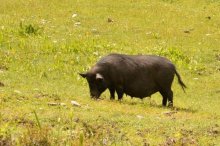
{"x": 45, "y": 44}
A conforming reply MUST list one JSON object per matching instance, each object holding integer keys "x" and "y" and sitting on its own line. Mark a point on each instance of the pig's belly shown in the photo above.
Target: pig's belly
{"x": 140, "y": 91}
{"x": 141, "y": 94}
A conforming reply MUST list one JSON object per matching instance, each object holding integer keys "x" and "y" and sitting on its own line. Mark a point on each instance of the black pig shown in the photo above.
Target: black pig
{"x": 135, "y": 75}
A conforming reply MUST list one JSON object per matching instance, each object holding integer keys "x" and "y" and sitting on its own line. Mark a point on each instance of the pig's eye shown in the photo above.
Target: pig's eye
{"x": 99, "y": 80}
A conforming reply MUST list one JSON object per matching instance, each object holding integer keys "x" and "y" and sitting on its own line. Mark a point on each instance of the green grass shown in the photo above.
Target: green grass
{"x": 43, "y": 47}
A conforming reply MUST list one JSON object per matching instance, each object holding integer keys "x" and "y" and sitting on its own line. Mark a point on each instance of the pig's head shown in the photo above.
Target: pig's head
{"x": 96, "y": 82}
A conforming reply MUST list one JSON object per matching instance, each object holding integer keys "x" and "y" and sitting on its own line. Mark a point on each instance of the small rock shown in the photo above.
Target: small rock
{"x": 74, "y": 103}
{"x": 140, "y": 117}
{"x": 186, "y": 31}
{"x": 56, "y": 104}
{"x": 77, "y": 23}
{"x": 53, "y": 104}
{"x": 1, "y": 84}
{"x": 17, "y": 91}
{"x": 209, "y": 17}
{"x": 110, "y": 20}
{"x": 95, "y": 31}
{"x": 74, "y": 15}
{"x": 148, "y": 33}
{"x": 76, "y": 120}
{"x": 58, "y": 120}
{"x": 63, "y": 104}
{"x": 43, "y": 21}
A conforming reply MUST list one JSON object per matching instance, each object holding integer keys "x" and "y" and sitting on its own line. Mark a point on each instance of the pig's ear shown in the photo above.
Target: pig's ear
{"x": 99, "y": 76}
{"x": 83, "y": 75}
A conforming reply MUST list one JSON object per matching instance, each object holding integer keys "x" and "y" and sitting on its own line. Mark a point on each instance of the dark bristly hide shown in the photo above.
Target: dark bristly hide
{"x": 134, "y": 75}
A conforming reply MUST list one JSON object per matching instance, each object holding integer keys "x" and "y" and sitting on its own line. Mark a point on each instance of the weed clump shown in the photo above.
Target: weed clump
{"x": 37, "y": 137}
{"x": 180, "y": 58}
{"x": 30, "y": 29}
{"x": 174, "y": 54}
